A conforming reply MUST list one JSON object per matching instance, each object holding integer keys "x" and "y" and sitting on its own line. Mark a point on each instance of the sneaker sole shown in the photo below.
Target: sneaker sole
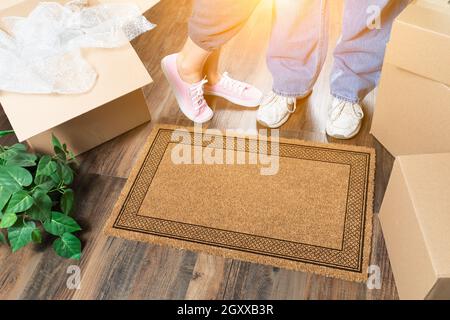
{"x": 354, "y": 134}
{"x": 177, "y": 96}
{"x": 285, "y": 119}
{"x": 242, "y": 103}
{"x": 276, "y": 125}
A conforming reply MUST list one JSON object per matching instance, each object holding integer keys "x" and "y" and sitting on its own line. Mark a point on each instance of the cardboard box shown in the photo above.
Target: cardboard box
{"x": 412, "y": 113}
{"x": 415, "y": 219}
{"x": 115, "y": 105}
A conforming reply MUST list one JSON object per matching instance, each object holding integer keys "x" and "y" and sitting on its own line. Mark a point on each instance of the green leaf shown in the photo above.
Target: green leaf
{"x": 67, "y": 201}
{"x": 6, "y": 132}
{"x": 58, "y": 148}
{"x": 19, "y": 234}
{"x": 72, "y": 156}
{"x": 17, "y": 155}
{"x": 56, "y": 143}
{"x": 5, "y": 194}
{"x": 46, "y": 167}
{"x": 22, "y": 160}
{"x": 2, "y": 238}
{"x": 66, "y": 174}
{"x": 8, "y": 154}
{"x": 42, "y": 206}
{"x": 60, "y": 224}
{"x": 36, "y": 236}
{"x": 57, "y": 175}
{"x": 20, "y": 201}
{"x": 14, "y": 178}
{"x": 44, "y": 183}
{"x": 68, "y": 246}
{"x": 8, "y": 219}
{"x": 20, "y": 147}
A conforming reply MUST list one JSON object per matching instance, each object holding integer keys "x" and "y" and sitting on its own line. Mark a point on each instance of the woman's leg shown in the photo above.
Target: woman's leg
{"x": 191, "y": 62}
{"x": 211, "y": 68}
{"x": 194, "y": 63}
{"x": 212, "y": 24}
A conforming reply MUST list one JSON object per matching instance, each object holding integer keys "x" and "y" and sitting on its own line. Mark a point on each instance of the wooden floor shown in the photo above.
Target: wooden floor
{"x": 113, "y": 268}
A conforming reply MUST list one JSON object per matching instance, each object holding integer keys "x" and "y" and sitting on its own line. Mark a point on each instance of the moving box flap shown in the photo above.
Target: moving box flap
{"x": 120, "y": 71}
{"x": 428, "y": 181}
{"x": 420, "y": 40}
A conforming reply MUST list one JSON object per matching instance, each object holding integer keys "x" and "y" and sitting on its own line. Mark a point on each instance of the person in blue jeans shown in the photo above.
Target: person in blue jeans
{"x": 296, "y": 53}
{"x": 298, "y": 49}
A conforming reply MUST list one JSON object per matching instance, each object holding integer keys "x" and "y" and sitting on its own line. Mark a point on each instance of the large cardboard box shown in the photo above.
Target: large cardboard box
{"x": 415, "y": 219}
{"x": 115, "y": 105}
{"x": 412, "y": 113}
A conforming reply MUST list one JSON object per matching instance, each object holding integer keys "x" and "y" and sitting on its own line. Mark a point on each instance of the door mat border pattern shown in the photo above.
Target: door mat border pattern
{"x": 350, "y": 262}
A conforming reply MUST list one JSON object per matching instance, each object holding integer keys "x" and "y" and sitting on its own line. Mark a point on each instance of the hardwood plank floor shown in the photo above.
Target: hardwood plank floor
{"x": 113, "y": 268}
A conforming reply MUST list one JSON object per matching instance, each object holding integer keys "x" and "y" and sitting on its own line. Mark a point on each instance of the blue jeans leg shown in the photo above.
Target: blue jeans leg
{"x": 298, "y": 45}
{"x": 359, "y": 54}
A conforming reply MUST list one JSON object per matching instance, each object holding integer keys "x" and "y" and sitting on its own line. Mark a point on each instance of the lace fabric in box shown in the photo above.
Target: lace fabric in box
{"x": 40, "y": 54}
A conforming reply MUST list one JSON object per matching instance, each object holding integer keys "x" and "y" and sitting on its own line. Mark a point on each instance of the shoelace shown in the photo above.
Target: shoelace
{"x": 276, "y": 99}
{"x": 197, "y": 95}
{"x": 343, "y": 106}
{"x": 232, "y": 84}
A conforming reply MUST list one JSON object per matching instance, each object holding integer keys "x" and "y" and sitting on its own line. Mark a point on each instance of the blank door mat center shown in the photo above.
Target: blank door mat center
{"x": 287, "y": 203}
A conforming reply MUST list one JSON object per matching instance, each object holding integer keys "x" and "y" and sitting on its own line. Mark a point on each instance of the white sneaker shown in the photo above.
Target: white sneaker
{"x": 344, "y": 119}
{"x": 275, "y": 110}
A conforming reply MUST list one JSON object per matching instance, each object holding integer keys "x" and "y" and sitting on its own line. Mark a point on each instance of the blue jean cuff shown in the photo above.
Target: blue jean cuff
{"x": 292, "y": 95}
{"x": 351, "y": 100}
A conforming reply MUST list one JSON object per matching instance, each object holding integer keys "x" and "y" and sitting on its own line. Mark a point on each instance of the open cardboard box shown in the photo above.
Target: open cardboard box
{"x": 412, "y": 113}
{"x": 115, "y": 105}
{"x": 415, "y": 219}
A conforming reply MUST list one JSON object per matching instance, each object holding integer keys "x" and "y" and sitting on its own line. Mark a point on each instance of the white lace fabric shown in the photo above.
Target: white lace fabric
{"x": 40, "y": 54}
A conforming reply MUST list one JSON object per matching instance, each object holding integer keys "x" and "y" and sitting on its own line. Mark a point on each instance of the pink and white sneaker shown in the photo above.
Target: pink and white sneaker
{"x": 189, "y": 96}
{"x": 235, "y": 91}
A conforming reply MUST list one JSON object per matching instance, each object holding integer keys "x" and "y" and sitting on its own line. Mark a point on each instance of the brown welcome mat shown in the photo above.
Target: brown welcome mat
{"x": 313, "y": 215}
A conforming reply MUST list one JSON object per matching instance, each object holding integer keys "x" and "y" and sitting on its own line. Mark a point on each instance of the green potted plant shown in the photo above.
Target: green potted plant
{"x": 36, "y": 198}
